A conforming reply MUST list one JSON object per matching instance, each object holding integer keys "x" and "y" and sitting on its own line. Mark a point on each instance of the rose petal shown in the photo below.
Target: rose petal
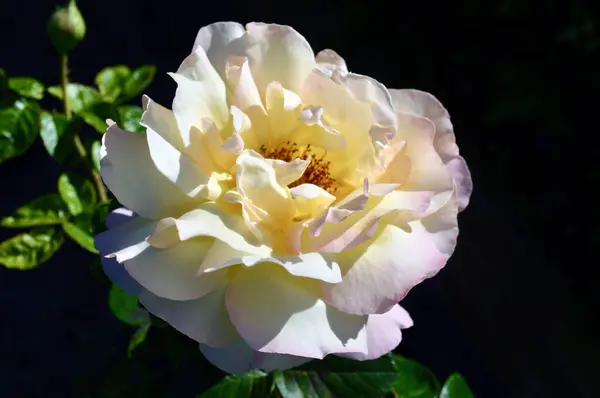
{"x": 204, "y": 319}
{"x": 278, "y": 53}
{"x": 172, "y": 273}
{"x": 220, "y": 41}
{"x": 462, "y": 178}
{"x": 384, "y": 333}
{"x": 118, "y": 217}
{"x": 128, "y": 170}
{"x": 200, "y": 94}
{"x": 380, "y": 272}
{"x": 239, "y": 358}
{"x": 276, "y": 312}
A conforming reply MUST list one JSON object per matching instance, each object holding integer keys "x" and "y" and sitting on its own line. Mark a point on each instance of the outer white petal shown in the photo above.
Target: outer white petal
{"x": 204, "y": 319}
{"x": 219, "y": 42}
{"x": 384, "y": 333}
{"x": 118, "y": 217}
{"x": 125, "y": 240}
{"x": 276, "y": 312}
{"x": 172, "y": 273}
{"x": 162, "y": 121}
{"x": 239, "y": 358}
{"x": 130, "y": 174}
{"x": 200, "y": 94}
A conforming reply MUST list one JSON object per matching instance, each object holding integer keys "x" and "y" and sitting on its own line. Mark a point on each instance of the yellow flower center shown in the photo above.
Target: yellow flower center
{"x": 317, "y": 172}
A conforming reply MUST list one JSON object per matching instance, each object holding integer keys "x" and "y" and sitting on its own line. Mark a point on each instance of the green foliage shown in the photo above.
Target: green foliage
{"x": 126, "y": 307}
{"x": 19, "y": 126}
{"x": 95, "y": 154}
{"x": 66, "y": 28}
{"x": 130, "y": 116}
{"x": 27, "y": 87}
{"x": 80, "y": 96}
{"x": 3, "y": 83}
{"x": 78, "y": 193}
{"x": 413, "y": 380}
{"x": 48, "y": 209}
{"x": 80, "y": 229}
{"x": 57, "y": 134}
{"x": 254, "y": 384}
{"x": 456, "y": 387}
{"x": 30, "y": 249}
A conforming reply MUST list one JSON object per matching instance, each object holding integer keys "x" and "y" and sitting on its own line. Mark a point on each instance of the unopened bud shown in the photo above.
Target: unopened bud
{"x": 66, "y": 28}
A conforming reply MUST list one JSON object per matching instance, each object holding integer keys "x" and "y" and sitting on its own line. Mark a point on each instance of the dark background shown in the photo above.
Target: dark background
{"x": 513, "y": 309}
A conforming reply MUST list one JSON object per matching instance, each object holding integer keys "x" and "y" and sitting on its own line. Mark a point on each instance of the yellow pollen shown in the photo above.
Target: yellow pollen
{"x": 317, "y": 172}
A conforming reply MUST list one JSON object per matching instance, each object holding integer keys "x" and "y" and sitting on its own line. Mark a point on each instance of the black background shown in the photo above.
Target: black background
{"x": 512, "y": 310}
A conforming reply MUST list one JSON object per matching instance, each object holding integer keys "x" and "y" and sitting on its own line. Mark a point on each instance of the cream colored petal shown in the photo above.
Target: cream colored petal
{"x": 200, "y": 94}
{"x": 310, "y": 200}
{"x": 288, "y": 172}
{"x": 131, "y": 175}
{"x": 276, "y": 312}
{"x": 207, "y": 220}
{"x": 220, "y": 40}
{"x": 330, "y": 63}
{"x": 284, "y": 108}
{"x": 162, "y": 121}
{"x": 182, "y": 170}
{"x": 257, "y": 183}
{"x": 204, "y": 319}
{"x": 278, "y": 53}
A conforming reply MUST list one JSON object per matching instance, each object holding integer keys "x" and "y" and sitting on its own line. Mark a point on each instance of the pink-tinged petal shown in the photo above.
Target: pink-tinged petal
{"x": 334, "y": 66}
{"x": 207, "y": 220}
{"x": 426, "y": 105}
{"x": 204, "y": 319}
{"x": 384, "y": 333}
{"x": 118, "y": 217}
{"x": 380, "y": 272}
{"x": 172, "y": 273}
{"x": 220, "y": 40}
{"x": 201, "y": 94}
{"x": 278, "y": 53}
{"x": 369, "y": 90}
{"x": 130, "y": 174}
{"x": 239, "y": 358}
{"x": 275, "y": 312}
{"x": 462, "y": 178}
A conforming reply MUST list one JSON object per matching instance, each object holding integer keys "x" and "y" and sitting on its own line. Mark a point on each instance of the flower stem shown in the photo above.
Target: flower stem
{"x": 64, "y": 82}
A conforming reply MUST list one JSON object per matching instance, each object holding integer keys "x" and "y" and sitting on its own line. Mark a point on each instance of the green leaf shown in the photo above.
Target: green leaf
{"x": 80, "y": 97}
{"x": 130, "y": 116}
{"x": 126, "y": 307}
{"x": 456, "y": 387}
{"x": 338, "y": 377}
{"x": 139, "y": 80}
{"x": 95, "y": 153}
{"x": 111, "y": 81}
{"x": 48, "y": 209}
{"x": 19, "y": 126}
{"x": 57, "y": 134}
{"x": 138, "y": 337}
{"x": 98, "y": 219}
{"x": 27, "y": 87}
{"x": 78, "y": 193}
{"x": 28, "y": 250}
{"x": 80, "y": 230}
{"x": 413, "y": 379}
{"x": 96, "y": 114}
{"x": 254, "y": 384}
